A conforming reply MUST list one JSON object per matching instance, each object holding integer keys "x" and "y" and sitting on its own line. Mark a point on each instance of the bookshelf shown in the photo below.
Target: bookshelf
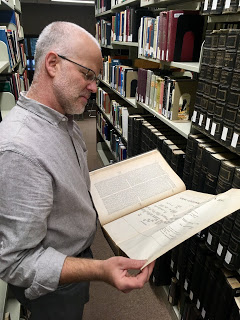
{"x": 130, "y": 101}
{"x": 124, "y": 4}
{"x": 8, "y": 304}
{"x": 12, "y": 58}
{"x": 7, "y": 5}
{"x": 122, "y": 43}
{"x": 4, "y": 60}
{"x": 183, "y": 128}
{"x": 111, "y": 126}
{"x": 189, "y": 129}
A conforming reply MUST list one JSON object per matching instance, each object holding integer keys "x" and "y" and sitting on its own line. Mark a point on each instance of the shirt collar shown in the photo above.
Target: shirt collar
{"x": 41, "y": 110}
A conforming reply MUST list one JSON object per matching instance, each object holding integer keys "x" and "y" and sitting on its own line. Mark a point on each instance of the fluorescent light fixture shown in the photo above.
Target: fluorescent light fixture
{"x": 76, "y": 1}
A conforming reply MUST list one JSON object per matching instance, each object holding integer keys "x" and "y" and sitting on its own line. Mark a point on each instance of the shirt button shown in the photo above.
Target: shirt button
{"x": 64, "y": 119}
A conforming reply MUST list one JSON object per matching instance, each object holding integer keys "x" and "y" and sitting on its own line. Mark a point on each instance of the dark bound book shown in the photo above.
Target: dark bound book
{"x": 214, "y": 165}
{"x": 226, "y": 174}
{"x": 188, "y": 38}
{"x": 172, "y": 31}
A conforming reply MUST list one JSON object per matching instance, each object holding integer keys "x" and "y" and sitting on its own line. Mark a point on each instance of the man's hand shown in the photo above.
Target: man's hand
{"x": 116, "y": 272}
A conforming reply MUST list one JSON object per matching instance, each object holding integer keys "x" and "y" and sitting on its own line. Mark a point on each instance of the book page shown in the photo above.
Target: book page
{"x": 132, "y": 184}
{"x": 148, "y": 234}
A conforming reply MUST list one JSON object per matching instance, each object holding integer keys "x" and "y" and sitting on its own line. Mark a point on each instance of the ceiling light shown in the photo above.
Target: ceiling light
{"x": 76, "y": 1}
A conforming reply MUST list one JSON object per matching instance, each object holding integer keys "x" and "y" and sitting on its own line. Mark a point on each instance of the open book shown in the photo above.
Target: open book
{"x": 145, "y": 209}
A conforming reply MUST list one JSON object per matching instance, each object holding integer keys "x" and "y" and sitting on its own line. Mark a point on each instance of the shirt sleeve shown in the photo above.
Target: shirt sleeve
{"x": 26, "y": 197}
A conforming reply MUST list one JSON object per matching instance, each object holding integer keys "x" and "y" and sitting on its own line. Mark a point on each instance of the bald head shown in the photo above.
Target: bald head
{"x": 61, "y": 37}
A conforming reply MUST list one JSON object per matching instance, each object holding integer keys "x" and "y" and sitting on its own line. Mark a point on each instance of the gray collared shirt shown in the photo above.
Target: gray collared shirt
{"x": 46, "y": 212}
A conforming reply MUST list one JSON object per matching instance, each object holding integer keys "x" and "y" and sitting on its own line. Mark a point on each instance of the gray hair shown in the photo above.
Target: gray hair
{"x": 56, "y": 37}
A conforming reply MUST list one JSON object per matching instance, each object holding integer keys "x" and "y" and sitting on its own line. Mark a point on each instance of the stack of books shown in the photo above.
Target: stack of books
{"x": 171, "y": 96}
{"x": 218, "y": 95}
{"x": 174, "y": 35}
{"x": 145, "y": 134}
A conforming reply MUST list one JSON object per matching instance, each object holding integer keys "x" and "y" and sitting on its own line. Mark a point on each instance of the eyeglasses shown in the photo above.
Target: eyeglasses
{"x": 90, "y": 75}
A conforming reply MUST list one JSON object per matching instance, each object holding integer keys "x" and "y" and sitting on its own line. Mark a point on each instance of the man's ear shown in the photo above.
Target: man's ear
{"x": 51, "y": 63}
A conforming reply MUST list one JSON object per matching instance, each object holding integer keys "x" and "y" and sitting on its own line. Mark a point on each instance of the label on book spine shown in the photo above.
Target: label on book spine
{"x": 191, "y": 295}
{"x": 209, "y": 238}
{"x": 203, "y": 313}
{"x": 219, "y": 249}
{"x": 227, "y": 4}
{"x": 228, "y": 257}
{"x": 186, "y": 285}
{"x": 214, "y": 4}
{"x": 213, "y": 129}
{"x": 198, "y": 304}
{"x": 205, "y": 5}
{"x": 234, "y": 140}
{"x": 194, "y": 116}
{"x": 200, "y": 120}
{"x": 224, "y": 134}
{"x": 208, "y": 121}
{"x": 177, "y": 275}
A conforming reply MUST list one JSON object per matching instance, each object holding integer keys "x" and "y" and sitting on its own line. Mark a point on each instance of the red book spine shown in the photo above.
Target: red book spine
{"x": 172, "y": 30}
{"x": 164, "y": 34}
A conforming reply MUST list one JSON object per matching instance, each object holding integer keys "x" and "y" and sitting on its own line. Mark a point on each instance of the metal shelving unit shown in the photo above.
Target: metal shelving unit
{"x": 131, "y": 101}
{"x": 182, "y": 127}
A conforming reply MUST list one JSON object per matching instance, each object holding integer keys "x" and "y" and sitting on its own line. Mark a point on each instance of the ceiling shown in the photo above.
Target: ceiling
{"x": 59, "y": 2}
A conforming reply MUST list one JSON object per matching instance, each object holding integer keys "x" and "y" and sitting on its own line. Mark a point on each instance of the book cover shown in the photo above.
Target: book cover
{"x": 188, "y": 38}
{"x": 172, "y": 30}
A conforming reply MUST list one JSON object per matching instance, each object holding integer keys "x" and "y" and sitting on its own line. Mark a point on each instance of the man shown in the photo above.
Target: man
{"x": 48, "y": 220}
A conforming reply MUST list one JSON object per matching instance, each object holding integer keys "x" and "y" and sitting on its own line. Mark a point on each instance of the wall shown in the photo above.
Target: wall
{"x": 36, "y": 16}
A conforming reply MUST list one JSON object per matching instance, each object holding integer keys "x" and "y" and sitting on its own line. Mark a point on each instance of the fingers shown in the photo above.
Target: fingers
{"x": 118, "y": 273}
{"x": 132, "y": 263}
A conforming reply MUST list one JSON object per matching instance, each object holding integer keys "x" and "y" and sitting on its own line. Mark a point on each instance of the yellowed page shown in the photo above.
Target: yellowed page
{"x": 127, "y": 186}
{"x": 158, "y": 236}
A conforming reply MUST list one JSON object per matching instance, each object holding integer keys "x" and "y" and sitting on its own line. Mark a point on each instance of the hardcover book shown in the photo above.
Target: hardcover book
{"x": 145, "y": 210}
{"x": 188, "y": 38}
{"x": 172, "y": 31}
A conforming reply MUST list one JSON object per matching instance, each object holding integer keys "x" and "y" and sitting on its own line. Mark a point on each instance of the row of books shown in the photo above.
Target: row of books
{"x": 103, "y": 32}
{"x": 125, "y": 24}
{"x": 220, "y": 6}
{"x": 209, "y": 167}
{"x": 208, "y": 6}
{"x": 14, "y": 83}
{"x": 223, "y": 240}
{"x": 10, "y": 18}
{"x": 212, "y": 168}
{"x": 171, "y": 96}
{"x": 146, "y": 133}
{"x": 102, "y": 5}
{"x": 122, "y": 78}
{"x": 175, "y": 35}
{"x": 218, "y": 97}
{"x": 110, "y": 135}
{"x": 10, "y": 39}
{"x": 117, "y": 113}
{"x": 200, "y": 286}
